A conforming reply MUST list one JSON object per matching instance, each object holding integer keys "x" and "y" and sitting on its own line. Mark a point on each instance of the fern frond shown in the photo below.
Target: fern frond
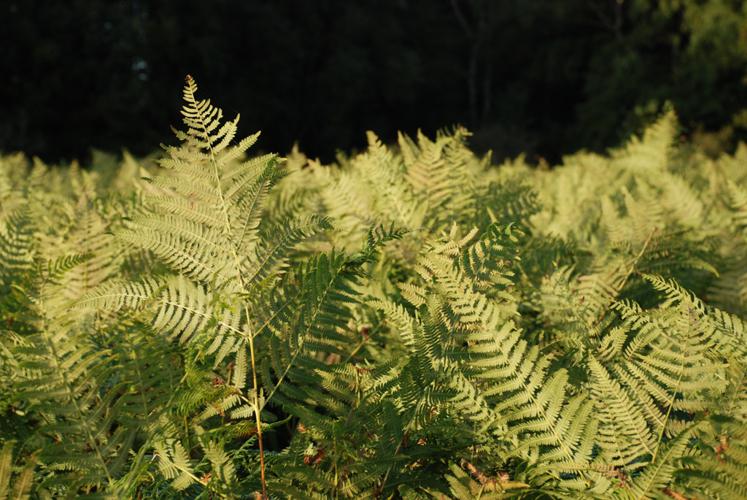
{"x": 14, "y": 486}
{"x": 16, "y": 247}
{"x": 660, "y": 472}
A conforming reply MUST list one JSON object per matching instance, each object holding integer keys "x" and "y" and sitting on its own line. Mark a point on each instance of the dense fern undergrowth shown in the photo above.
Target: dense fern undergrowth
{"x": 412, "y": 322}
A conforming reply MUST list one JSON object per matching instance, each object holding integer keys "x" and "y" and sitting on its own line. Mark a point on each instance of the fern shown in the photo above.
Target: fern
{"x": 408, "y": 322}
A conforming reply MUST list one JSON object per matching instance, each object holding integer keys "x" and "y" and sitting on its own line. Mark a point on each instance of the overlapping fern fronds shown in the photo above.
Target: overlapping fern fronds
{"x": 410, "y": 322}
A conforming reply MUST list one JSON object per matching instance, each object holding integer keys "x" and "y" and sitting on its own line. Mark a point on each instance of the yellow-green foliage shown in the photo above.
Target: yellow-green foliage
{"x": 411, "y": 322}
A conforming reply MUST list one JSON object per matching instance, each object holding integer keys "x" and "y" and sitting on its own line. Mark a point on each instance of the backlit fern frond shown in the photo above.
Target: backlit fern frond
{"x": 14, "y": 484}
{"x": 408, "y": 322}
{"x": 60, "y": 371}
{"x": 16, "y": 247}
{"x": 489, "y": 374}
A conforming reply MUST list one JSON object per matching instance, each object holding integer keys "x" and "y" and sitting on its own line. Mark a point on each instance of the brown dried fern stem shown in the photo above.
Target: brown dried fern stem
{"x": 189, "y": 95}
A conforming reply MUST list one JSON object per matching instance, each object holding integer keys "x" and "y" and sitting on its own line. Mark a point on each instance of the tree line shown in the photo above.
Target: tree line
{"x": 541, "y": 77}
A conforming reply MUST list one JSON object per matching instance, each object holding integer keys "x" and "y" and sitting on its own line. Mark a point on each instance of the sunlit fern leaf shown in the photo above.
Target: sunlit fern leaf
{"x": 222, "y": 470}
{"x": 508, "y": 381}
{"x": 250, "y": 193}
{"x": 119, "y": 294}
{"x": 272, "y": 255}
{"x": 206, "y": 224}
{"x": 427, "y": 170}
{"x": 16, "y": 247}
{"x": 174, "y": 464}
{"x": 60, "y": 374}
{"x": 183, "y": 309}
{"x": 395, "y": 201}
{"x": 473, "y": 483}
{"x": 682, "y": 202}
{"x": 658, "y": 475}
{"x": 737, "y": 202}
{"x": 624, "y": 436}
{"x": 670, "y": 371}
{"x": 206, "y": 219}
{"x": 729, "y": 290}
{"x": 718, "y": 465}
{"x": 651, "y": 151}
{"x": 151, "y": 370}
{"x": 189, "y": 249}
{"x": 14, "y": 485}
{"x": 491, "y": 259}
{"x": 92, "y": 238}
{"x": 680, "y": 371}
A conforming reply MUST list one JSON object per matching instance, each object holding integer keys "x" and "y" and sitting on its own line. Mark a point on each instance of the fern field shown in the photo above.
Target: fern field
{"x": 412, "y": 322}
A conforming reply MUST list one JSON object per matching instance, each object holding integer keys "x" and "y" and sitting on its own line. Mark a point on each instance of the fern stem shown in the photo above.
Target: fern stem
{"x": 354, "y": 351}
{"x": 394, "y": 455}
{"x": 257, "y": 419}
{"x": 389, "y": 469}
{"x": 237, "y": 266}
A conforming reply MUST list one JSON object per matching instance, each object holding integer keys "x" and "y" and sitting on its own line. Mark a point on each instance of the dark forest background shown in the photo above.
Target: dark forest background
{"x": 546, "y": 77}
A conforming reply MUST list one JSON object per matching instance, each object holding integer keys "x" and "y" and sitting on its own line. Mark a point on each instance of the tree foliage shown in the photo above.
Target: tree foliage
{"x": 544, "y": 77}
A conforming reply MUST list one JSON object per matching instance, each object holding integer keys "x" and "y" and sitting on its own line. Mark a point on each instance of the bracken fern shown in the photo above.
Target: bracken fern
{"x": 410, "y": 322}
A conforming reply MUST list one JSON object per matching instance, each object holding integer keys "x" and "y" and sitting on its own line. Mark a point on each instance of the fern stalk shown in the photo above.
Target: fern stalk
{"x": 237, "y": 266}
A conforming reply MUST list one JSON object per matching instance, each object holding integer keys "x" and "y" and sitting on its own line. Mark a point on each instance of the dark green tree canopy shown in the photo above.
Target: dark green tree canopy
{"x": 544, "y": 77}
